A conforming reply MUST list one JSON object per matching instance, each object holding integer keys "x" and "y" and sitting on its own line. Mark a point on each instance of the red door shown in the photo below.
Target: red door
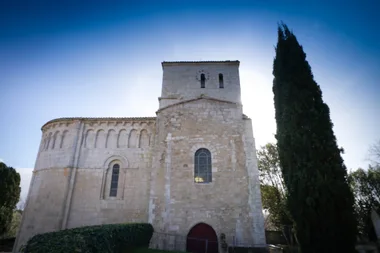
{"x": 202, "y": 239}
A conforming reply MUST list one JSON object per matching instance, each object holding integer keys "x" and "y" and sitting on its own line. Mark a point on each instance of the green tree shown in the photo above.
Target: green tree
{"x": 319, "y": 198}
{"x": 9, "y": 195}
{"x": 15, "y": 224}
{"x": 273, "y": 190}
{"x": 374, "y": 153}
{"x": 366, "y": 188}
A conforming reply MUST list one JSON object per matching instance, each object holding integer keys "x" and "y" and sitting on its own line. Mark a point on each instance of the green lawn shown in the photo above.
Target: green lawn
{"x": 146, "y": 250}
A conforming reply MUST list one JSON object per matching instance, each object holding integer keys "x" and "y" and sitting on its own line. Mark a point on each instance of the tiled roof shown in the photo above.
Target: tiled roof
{"x": 101, "y": 118}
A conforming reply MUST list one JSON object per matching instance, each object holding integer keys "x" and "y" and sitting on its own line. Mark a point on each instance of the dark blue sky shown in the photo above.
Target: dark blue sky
{"x": 94, "y": 58}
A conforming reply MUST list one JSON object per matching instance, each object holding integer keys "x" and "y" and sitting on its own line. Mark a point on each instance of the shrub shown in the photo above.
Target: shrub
{"x": 111, "y": 238}
{"x": 6, "y": 244}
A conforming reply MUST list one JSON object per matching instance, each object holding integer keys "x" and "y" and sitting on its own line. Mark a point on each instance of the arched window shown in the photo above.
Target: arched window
{"x": 221, "y": 83}
{"x": 203, "y": 80}
{"x": 202, "y": 166}
{"x": 114, "y": 180}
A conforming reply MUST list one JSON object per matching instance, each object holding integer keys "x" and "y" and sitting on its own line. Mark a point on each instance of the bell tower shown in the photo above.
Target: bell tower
{"x": 186, "y": 80}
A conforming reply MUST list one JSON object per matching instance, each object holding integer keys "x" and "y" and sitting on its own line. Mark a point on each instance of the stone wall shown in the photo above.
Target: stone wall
{"x": 71, "y": 179}
{"x": 177, "y": 202}
{"x": 105, "y": 143}
{"x": 181, "y": 81}
{"x": 44, "y": 209}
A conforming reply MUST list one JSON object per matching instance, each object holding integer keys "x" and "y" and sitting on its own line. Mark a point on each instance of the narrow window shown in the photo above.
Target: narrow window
{"x": 221, "y": 83}
{"x": 114, "y": 180}
{"x": 202, "y": 168}
{"x": 203, "y": 80}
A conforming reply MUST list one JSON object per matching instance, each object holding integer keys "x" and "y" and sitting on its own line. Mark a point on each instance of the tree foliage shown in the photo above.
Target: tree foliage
{"x": 15, "y": 224}
{"x": 319, "y": 198}
{"x": 9, "y": 195}
{"x": 273, "y": 190}
{"x": 366, "y": 188}
{"x": 374, "y": 153}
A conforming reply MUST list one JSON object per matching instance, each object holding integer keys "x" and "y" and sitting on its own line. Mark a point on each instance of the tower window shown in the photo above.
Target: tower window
{"x": 114, "y": 180}
{"x": 221, "y": 83}
{"x": 203, "y": 81}
{"x": 202, "y": 166}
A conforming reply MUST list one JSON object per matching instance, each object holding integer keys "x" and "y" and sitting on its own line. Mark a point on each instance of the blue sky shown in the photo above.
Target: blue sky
{"x": 95, "y": 59}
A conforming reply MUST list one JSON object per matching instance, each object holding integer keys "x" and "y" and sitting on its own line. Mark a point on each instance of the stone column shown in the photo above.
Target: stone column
{"x": 73, "y": 171}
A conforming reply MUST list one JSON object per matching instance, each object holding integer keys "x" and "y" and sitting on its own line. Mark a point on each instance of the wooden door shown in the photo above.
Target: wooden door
{"x": 202, "y": 239}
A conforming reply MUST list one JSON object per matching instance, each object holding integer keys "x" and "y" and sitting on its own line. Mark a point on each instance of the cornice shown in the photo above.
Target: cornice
{"x": 172, "y": 63}
{"x": 85, "y": 120}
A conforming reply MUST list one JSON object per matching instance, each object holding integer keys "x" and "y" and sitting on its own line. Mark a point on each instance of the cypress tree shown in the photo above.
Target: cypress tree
{"x": 319, "y": 198}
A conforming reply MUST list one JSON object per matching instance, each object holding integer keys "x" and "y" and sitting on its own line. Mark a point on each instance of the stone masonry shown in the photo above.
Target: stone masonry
{"x": 71, "y": 181}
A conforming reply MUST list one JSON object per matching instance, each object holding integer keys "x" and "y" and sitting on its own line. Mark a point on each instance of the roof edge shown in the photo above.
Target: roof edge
{"x": 167, "y": 63}
{"x": 195, "y": 99}
{"x": 95, "y": 119}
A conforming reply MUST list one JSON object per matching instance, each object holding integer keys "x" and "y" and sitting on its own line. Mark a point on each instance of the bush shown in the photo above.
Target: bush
{"x": 6, "y": 244}
{"x": 111, "y": 238}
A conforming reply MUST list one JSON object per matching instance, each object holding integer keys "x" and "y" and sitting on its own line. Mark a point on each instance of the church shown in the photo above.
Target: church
{"x": 190, "y": 171}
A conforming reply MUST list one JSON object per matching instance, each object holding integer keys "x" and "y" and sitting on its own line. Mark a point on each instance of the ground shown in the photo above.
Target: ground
{"x": 146, "y": 250}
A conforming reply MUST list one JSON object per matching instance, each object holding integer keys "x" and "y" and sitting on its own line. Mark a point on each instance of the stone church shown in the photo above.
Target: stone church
{"x": 190, "y": 171}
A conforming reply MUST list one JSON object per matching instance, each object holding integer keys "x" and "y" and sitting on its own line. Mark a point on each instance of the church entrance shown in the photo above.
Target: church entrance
{"x": 202, "y": 239}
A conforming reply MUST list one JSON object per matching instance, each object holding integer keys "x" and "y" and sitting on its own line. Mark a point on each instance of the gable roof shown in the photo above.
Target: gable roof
{"x": 195, "y": 99}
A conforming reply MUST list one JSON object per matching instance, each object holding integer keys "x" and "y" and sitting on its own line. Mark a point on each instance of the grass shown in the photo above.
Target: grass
{"x": 146, "y": 250}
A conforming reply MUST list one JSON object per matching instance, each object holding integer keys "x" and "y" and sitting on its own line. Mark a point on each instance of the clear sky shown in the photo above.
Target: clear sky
{"x": 95, "y": 59}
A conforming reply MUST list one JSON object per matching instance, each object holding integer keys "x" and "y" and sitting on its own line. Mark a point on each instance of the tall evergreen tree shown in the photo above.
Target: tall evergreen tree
{"x": 9, "y": 195}
{"x": 319, "y": 198}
